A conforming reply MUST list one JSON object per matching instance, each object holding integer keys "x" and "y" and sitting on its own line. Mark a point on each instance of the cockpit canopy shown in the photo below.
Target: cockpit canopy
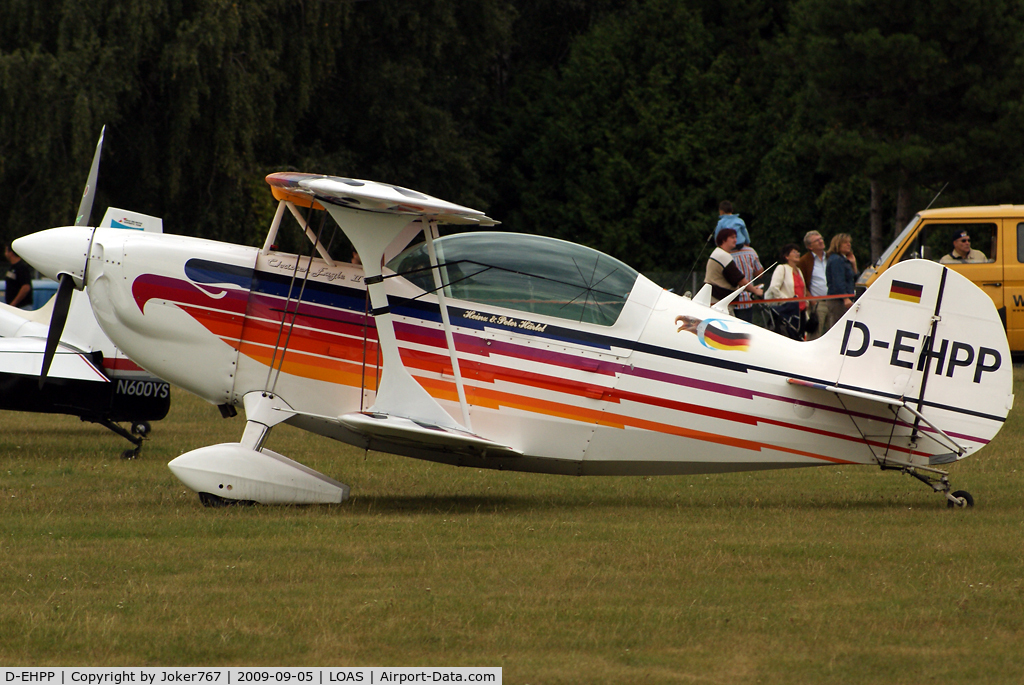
{"x": 529, "y": 273}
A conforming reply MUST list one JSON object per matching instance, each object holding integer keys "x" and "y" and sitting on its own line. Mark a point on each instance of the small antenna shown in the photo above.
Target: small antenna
{"x": 936, "y": 197}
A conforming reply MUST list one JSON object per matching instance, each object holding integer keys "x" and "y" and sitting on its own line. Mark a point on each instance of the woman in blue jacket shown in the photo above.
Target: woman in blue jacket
{"x": 841, "y": 273}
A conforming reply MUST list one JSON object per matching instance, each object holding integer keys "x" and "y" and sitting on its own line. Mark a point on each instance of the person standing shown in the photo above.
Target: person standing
{"x": 18, "y": 281}
{"x": 749, "y": 263}
{"x": 722, "y": 274}
{"x": 812, "y": 266}
{"x": 788, "y": 284}
{"x": 841, "y": 271}
{"x": 726, "y": 219}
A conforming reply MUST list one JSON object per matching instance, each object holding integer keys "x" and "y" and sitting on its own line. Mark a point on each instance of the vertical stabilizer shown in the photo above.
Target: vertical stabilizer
{"x": 925, "y": 335}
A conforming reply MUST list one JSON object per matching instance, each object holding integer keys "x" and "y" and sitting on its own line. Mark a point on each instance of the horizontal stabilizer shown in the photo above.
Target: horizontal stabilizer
{"x": 846, "y": 391}
{"x": 400, "y": 429}
{"x": 881, "y": 399}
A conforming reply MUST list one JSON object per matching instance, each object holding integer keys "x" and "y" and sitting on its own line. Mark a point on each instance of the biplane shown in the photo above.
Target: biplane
{"x": 497, "y": 350}
{"x": 87, "y": 376}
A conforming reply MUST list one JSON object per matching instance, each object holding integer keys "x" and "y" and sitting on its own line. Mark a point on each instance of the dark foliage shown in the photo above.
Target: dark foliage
{"x": 618, "y": 123}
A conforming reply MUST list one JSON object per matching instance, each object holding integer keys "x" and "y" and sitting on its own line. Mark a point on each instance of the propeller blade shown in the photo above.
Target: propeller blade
{"x": 61, "y": 303}
{"x": 89, "y": 194}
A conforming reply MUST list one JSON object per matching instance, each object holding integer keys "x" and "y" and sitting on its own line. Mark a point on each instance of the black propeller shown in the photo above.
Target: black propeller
{"x": 58, "y": 318}
{"x": 62, "y": 301}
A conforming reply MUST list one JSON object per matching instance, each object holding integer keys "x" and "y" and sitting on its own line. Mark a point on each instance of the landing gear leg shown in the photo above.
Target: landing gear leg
{"x": 246, "y": 472}
{"x": 132, "y": 452}
{"x": 939, "y": 482}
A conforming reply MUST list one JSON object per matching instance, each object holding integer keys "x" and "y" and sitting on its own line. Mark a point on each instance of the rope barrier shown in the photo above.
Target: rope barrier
{"x": 809, "y": 298}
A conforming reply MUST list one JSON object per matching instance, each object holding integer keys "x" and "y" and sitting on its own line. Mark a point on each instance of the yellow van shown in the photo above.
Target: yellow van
{"x": 994, "y": 262}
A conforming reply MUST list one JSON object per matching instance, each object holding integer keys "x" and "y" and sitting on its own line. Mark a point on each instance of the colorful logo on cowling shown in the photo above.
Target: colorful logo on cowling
{"x": 717, "y": 336}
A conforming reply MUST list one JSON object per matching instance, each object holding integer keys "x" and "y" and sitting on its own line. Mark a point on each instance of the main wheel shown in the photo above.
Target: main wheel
{"x": 216, "y": 501}
{"x": 965, "y": 499}
{"x": 141, "y": 428}
{"x": 211, "y": 500}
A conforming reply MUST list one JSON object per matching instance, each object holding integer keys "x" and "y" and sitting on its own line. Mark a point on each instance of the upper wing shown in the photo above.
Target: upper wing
{"x": 371, "y": 196}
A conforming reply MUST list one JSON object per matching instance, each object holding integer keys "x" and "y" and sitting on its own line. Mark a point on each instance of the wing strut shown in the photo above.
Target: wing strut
{"x": 398, "y": 393}
{"x": 288, "y": 301}
{"x": 275, "y": 226}
{"x": 430, "y": 234}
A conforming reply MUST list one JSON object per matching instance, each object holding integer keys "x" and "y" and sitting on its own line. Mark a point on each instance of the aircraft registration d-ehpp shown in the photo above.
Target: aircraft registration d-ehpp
{"x": 521, "y": 352}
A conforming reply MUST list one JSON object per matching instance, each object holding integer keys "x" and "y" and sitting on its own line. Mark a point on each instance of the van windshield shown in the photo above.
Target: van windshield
{"x": 954, "y": 242}
{"x": 899, "y": 240}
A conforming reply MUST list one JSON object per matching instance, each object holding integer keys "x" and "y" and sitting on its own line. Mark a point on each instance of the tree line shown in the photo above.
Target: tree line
{"x": 616, "y": 123}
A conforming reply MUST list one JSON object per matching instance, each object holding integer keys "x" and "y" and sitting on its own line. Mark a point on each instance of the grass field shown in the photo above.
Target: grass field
{"x": 837, "y": 575}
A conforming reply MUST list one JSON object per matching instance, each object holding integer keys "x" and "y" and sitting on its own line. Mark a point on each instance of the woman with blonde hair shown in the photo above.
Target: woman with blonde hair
{"x": 841, "y": 272}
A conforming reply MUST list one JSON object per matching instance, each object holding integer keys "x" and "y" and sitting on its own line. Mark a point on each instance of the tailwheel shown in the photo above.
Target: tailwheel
{"x": 132, "y": 453}
{"x": 959, "y": 499}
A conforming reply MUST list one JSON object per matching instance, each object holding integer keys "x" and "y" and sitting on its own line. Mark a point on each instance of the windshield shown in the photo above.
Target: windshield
{"x": 899, "y": 240}
{"x": 528, "y": 273}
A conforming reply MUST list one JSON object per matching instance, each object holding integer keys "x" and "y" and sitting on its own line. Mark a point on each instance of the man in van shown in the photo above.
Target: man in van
{"x": 962, "y": 252}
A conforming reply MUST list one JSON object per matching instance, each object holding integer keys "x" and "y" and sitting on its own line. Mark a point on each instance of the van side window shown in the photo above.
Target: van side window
{"x": 955, "y": 243}
{"x": 1020, "y": 242}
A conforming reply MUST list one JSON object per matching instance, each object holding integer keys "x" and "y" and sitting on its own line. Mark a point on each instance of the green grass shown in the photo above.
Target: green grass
{"x": 838, "y": 575}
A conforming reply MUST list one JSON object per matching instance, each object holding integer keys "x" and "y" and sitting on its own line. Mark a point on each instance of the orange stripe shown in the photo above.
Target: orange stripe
{"x": 495, "y": 400}
{"x": 316, "y": 368}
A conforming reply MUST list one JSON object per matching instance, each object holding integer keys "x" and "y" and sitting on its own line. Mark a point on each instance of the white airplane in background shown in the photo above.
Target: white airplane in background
{"x": 89, "y": 376}
{"x": 521, "y": 352}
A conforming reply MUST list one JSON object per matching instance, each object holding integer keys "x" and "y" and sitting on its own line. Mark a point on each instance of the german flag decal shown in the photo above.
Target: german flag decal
{"x": 723, "y": 340}
{"x": 908, "y": 292}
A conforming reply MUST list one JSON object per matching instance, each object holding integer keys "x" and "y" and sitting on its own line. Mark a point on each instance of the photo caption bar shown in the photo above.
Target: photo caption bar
{"x": 370, "y": 675}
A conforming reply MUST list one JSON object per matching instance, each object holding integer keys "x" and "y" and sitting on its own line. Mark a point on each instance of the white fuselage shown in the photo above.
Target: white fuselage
{"x": 672, "y": 386}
